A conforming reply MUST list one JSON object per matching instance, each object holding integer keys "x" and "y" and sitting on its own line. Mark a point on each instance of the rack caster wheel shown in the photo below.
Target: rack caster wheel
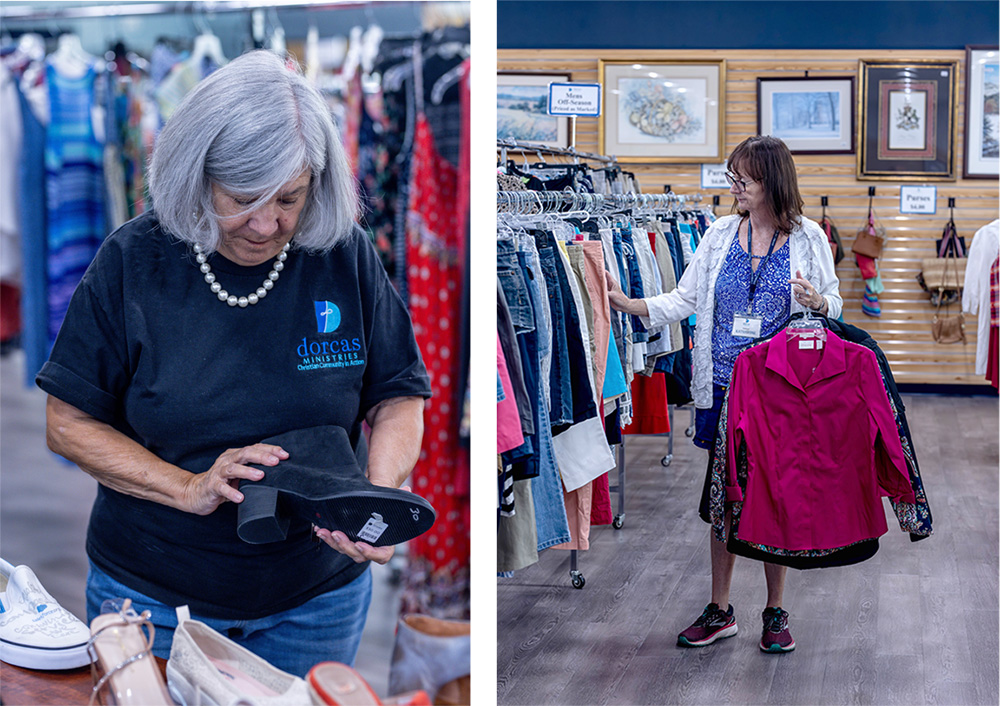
{"x": 578, "y": 580}
{"x": 689, "y": 431}
{"x": 618, "y": 521}
{"x": 665, "y": 461}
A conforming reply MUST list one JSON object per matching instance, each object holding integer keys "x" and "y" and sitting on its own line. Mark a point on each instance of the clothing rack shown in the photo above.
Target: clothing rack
{"x": 568, "y": 203}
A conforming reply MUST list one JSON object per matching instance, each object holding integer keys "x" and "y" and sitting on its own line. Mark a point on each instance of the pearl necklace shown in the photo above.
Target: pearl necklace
{"x": 253, "y": 297}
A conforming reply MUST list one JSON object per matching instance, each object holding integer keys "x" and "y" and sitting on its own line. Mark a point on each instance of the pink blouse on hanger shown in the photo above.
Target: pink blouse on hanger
{"x": 822, "y": 444}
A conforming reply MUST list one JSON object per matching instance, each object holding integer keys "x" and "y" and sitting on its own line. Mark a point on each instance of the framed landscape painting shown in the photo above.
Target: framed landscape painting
{"x": 663, "y": 111}
{"x": 982, "y": 113}
{"x": 907, "y": 120}
{"x": 522, "y": 109}
{"x": 811, "y": 115}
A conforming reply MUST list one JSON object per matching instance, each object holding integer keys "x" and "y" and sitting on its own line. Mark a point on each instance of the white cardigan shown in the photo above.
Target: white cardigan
{"x": 809, "y": 253}
{"x": 976, "y": 295}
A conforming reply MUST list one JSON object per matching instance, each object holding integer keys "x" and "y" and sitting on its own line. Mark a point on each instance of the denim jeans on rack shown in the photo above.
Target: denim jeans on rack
{"x": 508, "y": 341}
{"x": 636, "y": 291}
{"x": 514, "y": 289}
{"x": 546, "y": 488}
{"x": 581, "y": 392}
{"x": 543, "y": 324}
{"x": 561, "y": 393}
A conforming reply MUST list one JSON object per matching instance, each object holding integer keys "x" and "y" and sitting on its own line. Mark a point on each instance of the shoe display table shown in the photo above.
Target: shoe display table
{"x": 31, "y": 687}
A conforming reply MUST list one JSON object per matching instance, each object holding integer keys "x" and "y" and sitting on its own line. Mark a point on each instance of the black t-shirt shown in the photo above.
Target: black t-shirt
{"x": 149, "y": 349}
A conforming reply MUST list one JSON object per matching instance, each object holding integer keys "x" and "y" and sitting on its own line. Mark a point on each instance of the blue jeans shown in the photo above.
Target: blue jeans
{"x": 635, "y": 289}
{"x": 546, "y": 488}
{"x": 325, "y": 628}
{"x": 514, "y": 289}
{"x": 582, "y": 395}
{"x": 559, "y": 376}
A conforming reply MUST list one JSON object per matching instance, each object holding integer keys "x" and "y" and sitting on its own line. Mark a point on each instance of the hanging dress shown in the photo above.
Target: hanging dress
{"x": 74, "y": 185}
{"x": 437, "y": 579}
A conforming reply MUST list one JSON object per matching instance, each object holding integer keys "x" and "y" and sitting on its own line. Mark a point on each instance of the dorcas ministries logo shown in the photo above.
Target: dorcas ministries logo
{"x": 327, "y": 351}
{"x": 327, "y": 317}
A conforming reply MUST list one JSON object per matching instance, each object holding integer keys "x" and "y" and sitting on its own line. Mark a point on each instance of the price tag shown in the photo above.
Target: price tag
{"x": 373, "y": 529}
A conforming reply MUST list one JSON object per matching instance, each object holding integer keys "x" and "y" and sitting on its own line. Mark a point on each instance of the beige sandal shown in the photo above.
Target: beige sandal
{"x": 122, "y": 654}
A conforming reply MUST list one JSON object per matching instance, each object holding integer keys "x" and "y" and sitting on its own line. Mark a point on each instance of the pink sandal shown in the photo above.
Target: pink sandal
{"x": 122, "y": 654}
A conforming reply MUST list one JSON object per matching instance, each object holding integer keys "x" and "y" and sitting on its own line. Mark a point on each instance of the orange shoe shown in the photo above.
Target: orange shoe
{"x": 336, "y": 684}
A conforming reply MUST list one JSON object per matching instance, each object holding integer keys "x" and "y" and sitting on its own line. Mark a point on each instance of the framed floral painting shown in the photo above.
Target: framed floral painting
{"x": 663, "y": 111}
{"x": 907, "y": 120}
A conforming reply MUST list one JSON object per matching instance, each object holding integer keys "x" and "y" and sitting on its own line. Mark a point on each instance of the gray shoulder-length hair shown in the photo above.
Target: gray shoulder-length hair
{"x": 251, "y": 127}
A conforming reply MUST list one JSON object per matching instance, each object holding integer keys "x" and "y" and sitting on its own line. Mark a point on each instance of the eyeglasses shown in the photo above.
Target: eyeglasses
{"x": 740, "y": 184}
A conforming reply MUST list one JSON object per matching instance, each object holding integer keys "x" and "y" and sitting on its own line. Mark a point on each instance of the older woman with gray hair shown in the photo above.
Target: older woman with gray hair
{"x": 245, "y": 304}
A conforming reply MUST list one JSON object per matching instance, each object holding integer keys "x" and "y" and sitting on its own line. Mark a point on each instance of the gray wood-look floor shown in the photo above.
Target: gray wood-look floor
{"x": 45, "y": 506}
{"x": 916, "y": 624}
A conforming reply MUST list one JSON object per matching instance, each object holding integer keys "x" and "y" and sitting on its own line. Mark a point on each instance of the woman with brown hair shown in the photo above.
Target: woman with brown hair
{"x": 752, "y": 270}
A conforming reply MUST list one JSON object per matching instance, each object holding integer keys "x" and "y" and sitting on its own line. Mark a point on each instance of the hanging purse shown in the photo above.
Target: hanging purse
{"x": 947, "y": 328}
{"x": 870, "y": 237}
{"x": 943, "y": 277}
{"x": 832, "y": 236}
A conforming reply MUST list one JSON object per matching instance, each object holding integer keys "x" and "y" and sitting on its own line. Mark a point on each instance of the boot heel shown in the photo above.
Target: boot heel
{"x": 258, "y": 521}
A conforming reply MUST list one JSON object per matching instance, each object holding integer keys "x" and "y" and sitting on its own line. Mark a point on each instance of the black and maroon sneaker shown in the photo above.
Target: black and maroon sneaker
{"x": 714, "y": 624}
{"x": 776, "y": 637}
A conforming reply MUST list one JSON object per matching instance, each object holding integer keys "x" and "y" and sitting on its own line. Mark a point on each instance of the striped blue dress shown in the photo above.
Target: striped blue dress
{"x": 74, "y": 187}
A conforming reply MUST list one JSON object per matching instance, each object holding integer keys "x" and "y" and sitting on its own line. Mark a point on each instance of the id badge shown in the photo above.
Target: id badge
{"x": 746, "y": 326}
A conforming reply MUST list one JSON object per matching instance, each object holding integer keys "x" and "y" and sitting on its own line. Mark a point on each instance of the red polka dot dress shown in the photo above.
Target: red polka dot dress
{"x": 435, "y": 245}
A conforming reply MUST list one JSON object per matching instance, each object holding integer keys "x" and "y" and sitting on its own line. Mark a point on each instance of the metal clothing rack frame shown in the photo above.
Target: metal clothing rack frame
{"x": 520, "y": 146}
{"x": 525, "y": 203}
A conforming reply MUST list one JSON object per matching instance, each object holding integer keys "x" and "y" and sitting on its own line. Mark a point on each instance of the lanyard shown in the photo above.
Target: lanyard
{"x": 755, "y": 275}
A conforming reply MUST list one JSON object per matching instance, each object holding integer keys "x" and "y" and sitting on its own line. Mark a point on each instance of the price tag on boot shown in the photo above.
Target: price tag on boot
{"x": 373, "y": 529}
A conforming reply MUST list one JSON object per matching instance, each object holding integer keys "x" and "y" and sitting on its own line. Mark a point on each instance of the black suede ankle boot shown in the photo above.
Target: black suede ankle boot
{"x": 323, "y": 482}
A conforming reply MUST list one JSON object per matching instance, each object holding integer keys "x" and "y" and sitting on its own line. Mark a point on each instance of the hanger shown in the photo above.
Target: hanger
{"x": 277, "y": 41}
{"x": 207, "y": 45}
{"x": 70, "y": 58}
{"x": 447, "y": 80}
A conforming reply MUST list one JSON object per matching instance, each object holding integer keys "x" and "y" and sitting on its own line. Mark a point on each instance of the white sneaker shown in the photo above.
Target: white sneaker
{"x": 208, "y": 669}
{"x": 35, "y": 631}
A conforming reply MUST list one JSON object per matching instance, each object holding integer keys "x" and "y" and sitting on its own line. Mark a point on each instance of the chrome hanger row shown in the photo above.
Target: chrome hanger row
{"x": 539, "y": 149}
{"x": 527, "y": 202}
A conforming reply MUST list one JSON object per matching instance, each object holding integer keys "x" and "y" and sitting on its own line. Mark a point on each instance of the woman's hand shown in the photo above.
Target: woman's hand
{"x": 806, "y": 294}
{"x": 619, "y": 301}
{"x": 616, "y": 296}
{"x": 359, "y": 551}
{"x": 206, "y": 491}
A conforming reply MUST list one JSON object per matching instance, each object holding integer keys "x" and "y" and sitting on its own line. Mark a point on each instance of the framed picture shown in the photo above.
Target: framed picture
{"x": 663, "y": 111}
{"x": 811, "y": 115}
{"x": 907, "y": 120}
{"x": 522, "y": 109}
{"x": 982, "y": 113}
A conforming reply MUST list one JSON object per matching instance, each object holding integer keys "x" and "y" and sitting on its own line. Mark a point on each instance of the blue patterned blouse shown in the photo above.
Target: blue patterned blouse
{"x": 772, "y": 303}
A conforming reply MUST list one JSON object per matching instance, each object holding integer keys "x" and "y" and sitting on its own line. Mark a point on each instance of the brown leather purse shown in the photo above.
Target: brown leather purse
{"x": 947, "y": 328}
{"x": 870, "y": 238}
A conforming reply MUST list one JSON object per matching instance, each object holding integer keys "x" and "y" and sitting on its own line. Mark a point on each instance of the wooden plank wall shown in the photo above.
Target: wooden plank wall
{"x": 903, "y": 331}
